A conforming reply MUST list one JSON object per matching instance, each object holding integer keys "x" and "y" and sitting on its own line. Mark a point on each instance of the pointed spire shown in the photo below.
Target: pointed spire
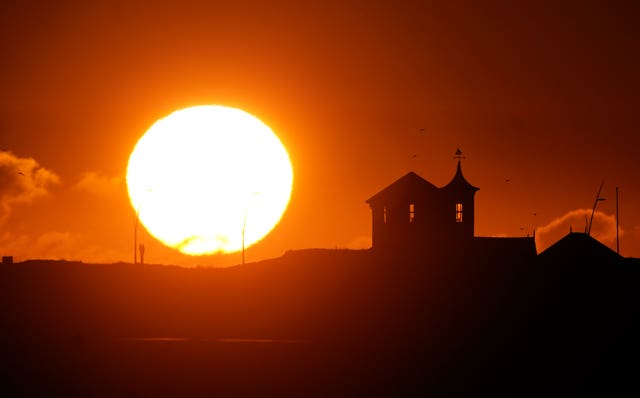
{"x": 458, "y": 155}
{"x": 458, "y": 178}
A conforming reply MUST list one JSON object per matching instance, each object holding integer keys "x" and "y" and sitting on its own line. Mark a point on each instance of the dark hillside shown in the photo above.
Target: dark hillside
{"x": 322, "y": 321}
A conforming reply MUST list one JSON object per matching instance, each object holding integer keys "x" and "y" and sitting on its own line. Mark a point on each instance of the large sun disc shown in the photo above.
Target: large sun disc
{"x": 209, "y": 179}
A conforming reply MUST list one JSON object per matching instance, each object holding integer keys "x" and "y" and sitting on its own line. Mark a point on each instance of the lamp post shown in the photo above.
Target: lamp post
{"x": 135, "y": 236}
{"x": 595, "y": 202}
{"x": 135, "y": 231}
{"x": 617, "y": 236}
{"x": 244, "y": 223}
{"x": 244, "y": 226}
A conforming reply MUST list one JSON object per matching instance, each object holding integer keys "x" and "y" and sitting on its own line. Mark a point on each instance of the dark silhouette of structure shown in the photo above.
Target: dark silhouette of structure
{"x": 415, "y": 217}
{"x": 579, "y": 248}
{"x": 482, "y": 316}
{"x": 141, "y": 248}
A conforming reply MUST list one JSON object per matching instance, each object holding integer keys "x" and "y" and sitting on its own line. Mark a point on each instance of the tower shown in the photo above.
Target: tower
{"x": 414, "y": 215}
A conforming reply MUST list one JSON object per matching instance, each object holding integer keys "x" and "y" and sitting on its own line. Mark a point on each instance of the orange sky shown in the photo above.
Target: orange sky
{"x": 542, "y": 98}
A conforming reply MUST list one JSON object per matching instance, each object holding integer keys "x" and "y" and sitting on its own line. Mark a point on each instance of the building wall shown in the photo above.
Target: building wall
{"x": 431, "y": 225}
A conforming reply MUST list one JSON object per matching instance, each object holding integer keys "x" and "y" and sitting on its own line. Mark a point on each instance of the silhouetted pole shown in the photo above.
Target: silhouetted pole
{"x": 595, "y": 202}
{"x": 617, "y": 237}
{"x": 135, "y": 232}
{"x": 244, "y": 224}
{"x": 135, "y": 237}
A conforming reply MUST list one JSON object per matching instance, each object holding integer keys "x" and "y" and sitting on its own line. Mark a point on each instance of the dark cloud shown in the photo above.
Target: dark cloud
{"x": 21, "y": 181}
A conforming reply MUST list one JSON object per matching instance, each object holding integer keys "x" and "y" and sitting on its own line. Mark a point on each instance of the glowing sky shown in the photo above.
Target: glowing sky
{"x": 541, "y": 97}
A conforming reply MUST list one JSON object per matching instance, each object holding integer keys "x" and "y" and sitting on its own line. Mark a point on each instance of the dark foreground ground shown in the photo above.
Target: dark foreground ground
{"x": 320, "y": 324}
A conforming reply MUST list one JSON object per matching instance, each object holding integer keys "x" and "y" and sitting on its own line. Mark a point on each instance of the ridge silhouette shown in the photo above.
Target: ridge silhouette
{"x": 471, "y": 315}
{"x": 351, "y": 323}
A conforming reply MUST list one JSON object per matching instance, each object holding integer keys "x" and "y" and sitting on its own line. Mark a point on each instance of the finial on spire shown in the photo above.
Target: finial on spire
{"x": 458, "y": 155}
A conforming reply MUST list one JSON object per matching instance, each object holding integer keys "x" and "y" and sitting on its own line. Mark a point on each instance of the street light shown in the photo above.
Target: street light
{"x": 595, "y": 202}
{"x": 244, "y": 223}
{"x": 135, "y": 232}
{"x": 135, "y": 236}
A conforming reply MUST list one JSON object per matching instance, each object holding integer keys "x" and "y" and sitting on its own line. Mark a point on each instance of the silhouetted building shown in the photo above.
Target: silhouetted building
{"x": 581, "y": 249}
{"x": 7, "y": 260}
{"x": 412, "y": 215}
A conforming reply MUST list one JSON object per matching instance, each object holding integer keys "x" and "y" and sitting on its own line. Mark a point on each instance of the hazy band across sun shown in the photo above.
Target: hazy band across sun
{"x": 205, "y": 178}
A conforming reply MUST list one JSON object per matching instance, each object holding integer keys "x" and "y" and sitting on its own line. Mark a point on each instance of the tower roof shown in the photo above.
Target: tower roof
{"x": 405, "y": 187}
{"x": 459, "y": 182}
{"x": 411, "y": 186}
{"x": 579, "y": 247}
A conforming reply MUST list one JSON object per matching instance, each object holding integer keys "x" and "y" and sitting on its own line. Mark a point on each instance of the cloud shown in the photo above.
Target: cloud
{"x": 55, "y": 245}
{"x": 50, "y": 245}
{"x": 99, "y": 185}
{"x": 360, "y": 242}
{"x": 21, "y": 181}
{"x": 603, "y": 227}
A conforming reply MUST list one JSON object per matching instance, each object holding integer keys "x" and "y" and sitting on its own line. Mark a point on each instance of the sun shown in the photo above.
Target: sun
{"x": 209, "y": 179}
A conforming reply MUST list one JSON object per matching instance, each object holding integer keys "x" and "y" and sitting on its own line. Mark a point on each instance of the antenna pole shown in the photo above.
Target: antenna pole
{"x": 244, "y": 225}
{"x": 135, "y": 236}
{"x": 595, "y": 202}
{"x": 617, "y": 236}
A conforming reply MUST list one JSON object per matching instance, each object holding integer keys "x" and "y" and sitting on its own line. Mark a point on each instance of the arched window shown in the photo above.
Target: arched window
{"x": 458, "y": 212}
{"x": 412, "y": 212}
